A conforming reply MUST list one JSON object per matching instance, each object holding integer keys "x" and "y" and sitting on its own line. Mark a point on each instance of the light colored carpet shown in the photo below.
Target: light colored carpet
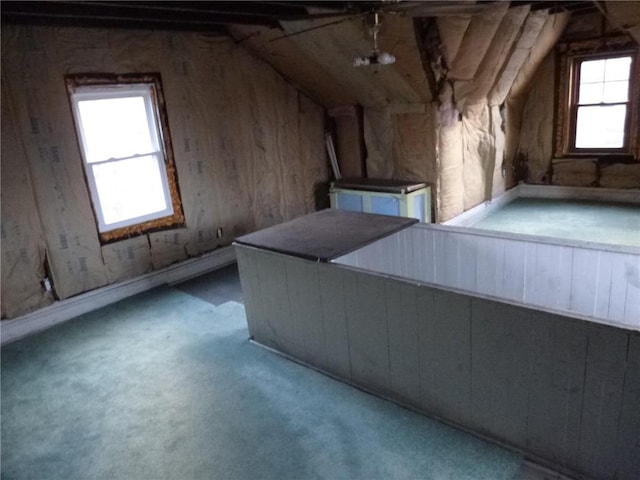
{"x": 614, "y": 223}
{"x": 167, "y": 386}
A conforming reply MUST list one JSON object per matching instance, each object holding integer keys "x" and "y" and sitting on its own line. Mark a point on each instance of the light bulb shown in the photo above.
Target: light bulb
{"x": 385, "y": 58}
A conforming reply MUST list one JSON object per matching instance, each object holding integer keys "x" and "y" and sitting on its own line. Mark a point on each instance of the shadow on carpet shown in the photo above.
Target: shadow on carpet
{"x": 166, "y": 386}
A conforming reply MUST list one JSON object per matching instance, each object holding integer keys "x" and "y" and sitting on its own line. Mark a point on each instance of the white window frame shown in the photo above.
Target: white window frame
{"x": 577, "y": 62}
{"x": 105, "y": 92}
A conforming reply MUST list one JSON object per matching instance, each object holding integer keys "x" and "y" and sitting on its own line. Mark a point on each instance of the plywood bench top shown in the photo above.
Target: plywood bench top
{"x": 325, "y": 235}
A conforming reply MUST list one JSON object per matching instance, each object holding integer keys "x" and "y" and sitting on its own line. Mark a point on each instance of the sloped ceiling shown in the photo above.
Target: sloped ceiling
{"x": 485, "y": 48}
{"x": 485, "y": 45}
{"x": 487, "y": 54}
{"x": 320, "y": 61}
{"x": 623, "y": 15}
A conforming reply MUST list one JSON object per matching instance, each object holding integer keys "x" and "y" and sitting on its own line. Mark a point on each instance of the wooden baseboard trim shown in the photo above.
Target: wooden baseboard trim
{"x": 63, "y": 310}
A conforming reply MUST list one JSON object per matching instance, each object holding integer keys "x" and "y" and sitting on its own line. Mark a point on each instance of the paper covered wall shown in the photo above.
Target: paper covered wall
{"x": 249, "y": 150}
{"x": 533, "y": 106}
{"x": 23, "y": 248}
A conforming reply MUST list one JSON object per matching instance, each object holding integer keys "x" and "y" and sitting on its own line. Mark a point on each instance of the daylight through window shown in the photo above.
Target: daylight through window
{"x": 602, "y": 102}
{"x": 125, "y": 159}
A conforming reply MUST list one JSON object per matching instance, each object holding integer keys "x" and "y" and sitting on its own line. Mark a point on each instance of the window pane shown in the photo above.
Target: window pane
{"x": 617, "y": 69}
{"x": 616, "y": 91}
{"x": 592, "y": 71}
{"x": 130, "y": 188}
{"x": 591, "y": 93}
{"x": 115, "y": 128}
{"x": 600, "y": 127}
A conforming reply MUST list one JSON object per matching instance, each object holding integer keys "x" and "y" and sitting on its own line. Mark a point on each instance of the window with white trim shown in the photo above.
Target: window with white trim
{"x": 129, "y": 172}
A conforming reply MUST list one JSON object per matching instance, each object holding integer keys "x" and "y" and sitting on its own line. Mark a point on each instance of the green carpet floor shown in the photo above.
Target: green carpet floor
{"x": 614, "y": 223}
{"x": 166, "y": 386}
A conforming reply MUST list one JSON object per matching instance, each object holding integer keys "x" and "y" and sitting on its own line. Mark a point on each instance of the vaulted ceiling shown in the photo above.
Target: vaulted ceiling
{"x": 481, "y": 48}
{"x": 484, "y": 48}
{"x": 214, "y": 15}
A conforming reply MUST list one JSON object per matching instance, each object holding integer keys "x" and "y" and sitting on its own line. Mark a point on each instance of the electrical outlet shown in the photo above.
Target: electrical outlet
{"x": 219, "y": 232}
{"x": 46, "y": 284}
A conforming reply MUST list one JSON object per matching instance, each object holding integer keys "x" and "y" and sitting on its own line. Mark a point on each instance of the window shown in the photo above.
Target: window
{"x": 601, "y": 102}
{"x": 598, "y": 107}
{"x": 123, "y": 137}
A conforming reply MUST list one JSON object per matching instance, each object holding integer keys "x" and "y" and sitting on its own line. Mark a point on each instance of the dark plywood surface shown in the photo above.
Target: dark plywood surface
{"x": 325, "y": 235}
{"x": 378, "y": 185}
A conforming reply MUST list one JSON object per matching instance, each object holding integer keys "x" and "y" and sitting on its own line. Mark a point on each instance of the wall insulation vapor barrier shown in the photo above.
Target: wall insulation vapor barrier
{"x": 248, "y": 153}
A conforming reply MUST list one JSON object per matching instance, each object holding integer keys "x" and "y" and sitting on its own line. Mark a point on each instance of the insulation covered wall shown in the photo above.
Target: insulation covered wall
{"x": 249, "y": 148}
{"x": 23, "y": 250}
{"x": 397, "y": 127}
{"x": 533, "y": 107}
{"x": 486, "y": 58}
{"x": 400, "y": 142}
{"x": 536, "y": 130}
{"x": 348, "y": 141}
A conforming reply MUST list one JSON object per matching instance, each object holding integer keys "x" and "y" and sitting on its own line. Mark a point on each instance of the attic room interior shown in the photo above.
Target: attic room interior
{"x": 307, "y": 239}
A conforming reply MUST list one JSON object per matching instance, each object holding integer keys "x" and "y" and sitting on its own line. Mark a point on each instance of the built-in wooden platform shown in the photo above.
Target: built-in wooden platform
{"x": 561, "y": 389}
{"x": 325, "y": 235}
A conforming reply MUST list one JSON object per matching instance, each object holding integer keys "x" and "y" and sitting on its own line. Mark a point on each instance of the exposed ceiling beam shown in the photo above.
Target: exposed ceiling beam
{"x": 166, "y": 14}
{"x": 216, "y": 15}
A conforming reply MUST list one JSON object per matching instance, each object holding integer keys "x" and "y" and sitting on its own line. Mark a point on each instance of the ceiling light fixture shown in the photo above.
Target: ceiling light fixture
{"x": 377, "y": 57}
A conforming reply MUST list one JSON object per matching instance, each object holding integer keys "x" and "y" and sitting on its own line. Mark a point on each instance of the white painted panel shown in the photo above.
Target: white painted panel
{"x": 425, "y": 257}
{"x": 446, "y": 259}
{"x": 390, "y": 255}
{"x": 484, "y": 266}
{"x": 361, "y": 258}
{"x": 584, "y": 279}
{"x": 529, "y": 272}
{"x": 563, "y": 272}
{"x": 489, "y": 265}
{"x": 408, "y": 253}
{"x": 618, "y": 291}
{"x": 369, "y": 259}
{"x": 549, "y": 272}
{"x": 468, "y": 253}
{"x": 376, "y": 250}
{"x": 400, "y": 265}
{"x": 632, "y": 304}
{"x": 497, "y": 249}
{"x": 349, "y": 259}
{"x": 420, "y": 261}
{"x": 512, "y": 281}
{"x": 603, "y": 285}
{"x": 600, "y": 284}
{"x": 537, "y": 285}
{"x": 429, "y": 248}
